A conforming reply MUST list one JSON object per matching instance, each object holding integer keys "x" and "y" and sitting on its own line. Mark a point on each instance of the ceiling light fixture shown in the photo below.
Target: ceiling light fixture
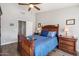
{"x": 31, "y": 6}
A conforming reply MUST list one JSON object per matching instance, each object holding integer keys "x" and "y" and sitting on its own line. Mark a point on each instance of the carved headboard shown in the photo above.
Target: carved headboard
{"x": 51, "y": 27}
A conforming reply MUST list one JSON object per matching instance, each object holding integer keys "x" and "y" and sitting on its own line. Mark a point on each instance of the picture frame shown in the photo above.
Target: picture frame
{"x": 70, "y": 22}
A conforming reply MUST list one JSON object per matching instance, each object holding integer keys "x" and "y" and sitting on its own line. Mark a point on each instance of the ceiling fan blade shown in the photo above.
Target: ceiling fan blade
{"x": 29, "y": 9}
{"x": 37, "y": 8}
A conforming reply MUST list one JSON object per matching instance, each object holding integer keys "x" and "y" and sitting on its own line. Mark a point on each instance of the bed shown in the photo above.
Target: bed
{"x": 37, "y": 45}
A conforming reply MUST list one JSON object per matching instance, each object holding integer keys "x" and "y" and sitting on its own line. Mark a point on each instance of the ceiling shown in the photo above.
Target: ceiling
{"x": 52, "y": 6}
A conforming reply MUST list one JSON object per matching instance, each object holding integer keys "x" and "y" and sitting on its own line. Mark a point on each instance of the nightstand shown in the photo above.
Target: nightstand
{"x": 67, "y": 44}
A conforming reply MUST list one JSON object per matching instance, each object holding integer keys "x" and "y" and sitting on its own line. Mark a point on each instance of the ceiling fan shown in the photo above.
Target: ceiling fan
{"x": 31, "y": 5}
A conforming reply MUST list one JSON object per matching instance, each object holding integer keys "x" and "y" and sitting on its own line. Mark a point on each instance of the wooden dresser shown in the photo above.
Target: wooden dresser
{"x": 67, "y": 44}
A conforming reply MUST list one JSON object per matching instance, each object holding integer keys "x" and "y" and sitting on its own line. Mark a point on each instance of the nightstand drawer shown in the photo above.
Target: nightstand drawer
{"x": 67, "y": 42}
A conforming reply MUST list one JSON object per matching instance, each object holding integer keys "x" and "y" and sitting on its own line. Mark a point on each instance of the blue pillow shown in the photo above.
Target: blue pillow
{"x": 44, "y": 33}
{"x": 52, "y": 34}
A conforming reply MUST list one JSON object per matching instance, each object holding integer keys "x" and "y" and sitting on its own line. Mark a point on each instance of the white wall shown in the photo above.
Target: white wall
{"x": 60, "y": 17}
{"x": 30, "y": 26}
{"x": 11, "y": 14}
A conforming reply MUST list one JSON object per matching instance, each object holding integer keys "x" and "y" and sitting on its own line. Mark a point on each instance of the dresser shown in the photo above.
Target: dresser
{"x": 67, "y": 44}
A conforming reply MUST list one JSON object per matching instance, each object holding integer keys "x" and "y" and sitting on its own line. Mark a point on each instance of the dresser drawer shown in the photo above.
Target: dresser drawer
{"x": 63, "y": 46}
{"x": 66, "y": 42}
{"x": 66, "y": 47}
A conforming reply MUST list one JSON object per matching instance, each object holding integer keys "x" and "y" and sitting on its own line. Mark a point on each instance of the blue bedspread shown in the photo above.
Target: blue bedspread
{"x": 44, "y": 45}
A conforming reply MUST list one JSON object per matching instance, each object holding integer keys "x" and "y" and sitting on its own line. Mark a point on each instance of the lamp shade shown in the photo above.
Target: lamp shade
{"x": 66, "y": 29}
{"x": 39, "y": 29}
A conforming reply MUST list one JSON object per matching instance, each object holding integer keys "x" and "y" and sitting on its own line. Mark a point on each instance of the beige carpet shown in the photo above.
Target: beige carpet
{"x": 11, "y": 50}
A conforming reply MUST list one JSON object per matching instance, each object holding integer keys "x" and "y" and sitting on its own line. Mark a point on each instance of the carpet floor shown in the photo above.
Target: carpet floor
{"x": 11, "y": 50}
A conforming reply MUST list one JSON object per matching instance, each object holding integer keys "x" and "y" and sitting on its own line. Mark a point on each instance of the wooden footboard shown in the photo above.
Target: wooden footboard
{"x": 25, "y": 47}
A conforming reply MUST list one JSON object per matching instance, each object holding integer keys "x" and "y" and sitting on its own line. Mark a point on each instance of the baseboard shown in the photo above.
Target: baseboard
{"x": 8, "y": 43}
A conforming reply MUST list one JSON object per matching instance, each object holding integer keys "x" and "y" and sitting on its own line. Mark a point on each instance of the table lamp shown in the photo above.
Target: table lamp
{"x": 66, "y": 30}
{"x": 39, "y": 30}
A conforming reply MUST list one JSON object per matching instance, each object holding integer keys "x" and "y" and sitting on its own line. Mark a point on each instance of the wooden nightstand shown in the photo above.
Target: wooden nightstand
{"x": 67, "y": 44}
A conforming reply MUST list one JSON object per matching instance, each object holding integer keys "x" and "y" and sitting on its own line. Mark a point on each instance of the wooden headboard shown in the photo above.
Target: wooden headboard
{"x": 51, "y": 27}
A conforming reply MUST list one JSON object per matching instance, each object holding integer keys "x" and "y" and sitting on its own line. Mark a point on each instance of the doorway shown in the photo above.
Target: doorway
{"x": 22, "y": 28}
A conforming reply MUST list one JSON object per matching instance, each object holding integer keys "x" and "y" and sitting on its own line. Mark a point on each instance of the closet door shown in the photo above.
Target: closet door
{"x": 22, "y": 28}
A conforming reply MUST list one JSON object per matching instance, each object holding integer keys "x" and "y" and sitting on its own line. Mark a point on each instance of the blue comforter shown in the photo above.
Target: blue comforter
{"x": 43, "y": 45}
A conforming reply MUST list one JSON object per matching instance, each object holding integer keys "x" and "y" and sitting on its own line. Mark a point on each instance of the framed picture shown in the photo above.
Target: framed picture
{"x": 70, "y": 22}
